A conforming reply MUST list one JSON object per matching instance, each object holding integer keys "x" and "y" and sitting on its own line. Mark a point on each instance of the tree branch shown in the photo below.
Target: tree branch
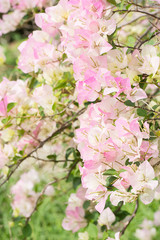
{"x": 131, "y": 218}
{"x": 55, "y": 133}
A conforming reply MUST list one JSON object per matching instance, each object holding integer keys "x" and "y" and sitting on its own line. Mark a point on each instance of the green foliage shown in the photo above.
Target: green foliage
{"x": 141, "y": 112}
{"x": 86, "y": 204}
{"x": 27, "y": 231}
{"x": 112, "y": 1}
{"x": 10, "y": 106}
{"x": 110, "y": 172}
{"x": 129, "y": 103}
{"x": 110, "y": 180}
{"x": 92, "y": 231}
{"x": 76, "y": 182}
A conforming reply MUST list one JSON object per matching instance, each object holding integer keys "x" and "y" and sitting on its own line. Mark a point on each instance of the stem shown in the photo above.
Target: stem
{"x": 131, "y": 218}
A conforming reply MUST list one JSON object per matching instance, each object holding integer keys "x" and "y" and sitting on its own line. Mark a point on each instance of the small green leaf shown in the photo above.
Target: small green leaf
{"x": 6, "y": 120}
{"x": 155, "y": 106}
{"x": 54, "y": 106}
{"x": 110, "y": 180}
{"x": 52, "y": 157}
{"x": 105, "y": 235}
{"x": 61, "y": 84}
{"x": 120, "y": 215}
{"x": 110, "y": 172}
{"x": 129, "y": 103}
{"x": 41, "y": 111}
{"x": 112, "y": 2}
{"x": 69, "y": 151}
{"x": 131, "y": 41}
{"x": 27, "y": 230}
{"x": 92, "y": 231}
{"x": 10, "y": 106}
{"x": 86, "y": 204}
{"x": 122, "y": 4}
{"x": 20, "y": 132}
{"x": 141, "y": 112}
{"x": 76, "y": 182}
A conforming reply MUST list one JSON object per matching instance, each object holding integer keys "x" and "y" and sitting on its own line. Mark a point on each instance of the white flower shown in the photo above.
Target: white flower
{"x": 107, "y": 217}
{"x": 83, "y": 236}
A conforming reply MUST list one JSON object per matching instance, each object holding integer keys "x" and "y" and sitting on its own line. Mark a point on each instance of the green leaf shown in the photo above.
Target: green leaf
{"x": 92, "y": 231}
{"x": 128, "y": 162}
{"x": 110, "y": 172}
{"x": 20, "y": 132}
{"x": 155, "y": 107}
{"x": 54, "y": 106}
{"x": 141, "y": 112}
{"x": 131, "y": 41}
{"x": 69, "y": 151}
{"x": 41, "y": 111}
{"x": 61, "y": 84}
{"x": 27, "y": 230}
{"x": 110, "y": 180}
{"x": 122, "y": 4}
{"x": 10, "y": 106}
{"x": 112, "y": 2}
{"x": 86, "y": 204}
{"x": 6, "y": 120}
{"x": 129, "y": 103}
{"x": 105, "y": 235}
{"x": 76, "y": 182}
{"x": 128, "y": 6}
{"x": 52, "y": 157}
{"x": 121, "y": 214}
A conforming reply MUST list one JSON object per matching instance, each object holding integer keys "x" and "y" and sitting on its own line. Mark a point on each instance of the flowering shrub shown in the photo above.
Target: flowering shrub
{"x": 83, "y": 110}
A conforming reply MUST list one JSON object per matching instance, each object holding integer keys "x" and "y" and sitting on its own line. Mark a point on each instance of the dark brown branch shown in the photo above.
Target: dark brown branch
{"x": 149, "y": 110}
{"x": 51, "y": 160}
{"x": 146, "y": 13}
{"x": 131, "y": 218}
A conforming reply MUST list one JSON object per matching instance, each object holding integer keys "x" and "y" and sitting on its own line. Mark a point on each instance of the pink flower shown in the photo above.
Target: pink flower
{"x": 75, "y": 213}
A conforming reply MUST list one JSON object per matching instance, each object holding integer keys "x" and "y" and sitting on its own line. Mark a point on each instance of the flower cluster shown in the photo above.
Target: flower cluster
{"x": 22, "y": 126}
{"x": 111, "y": 135}
{"x": 77, "y": 48}
{"x": 75, "y": 213}
{"x": 14, "y": 10}
{"x": 24, "y": 195}
{"x": 80, "y": 32}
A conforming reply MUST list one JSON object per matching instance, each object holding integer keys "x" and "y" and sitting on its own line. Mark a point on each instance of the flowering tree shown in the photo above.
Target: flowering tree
{"x": 86, "y": 102}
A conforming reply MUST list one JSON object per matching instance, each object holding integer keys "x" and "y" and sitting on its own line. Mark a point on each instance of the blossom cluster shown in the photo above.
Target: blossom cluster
{"x": 110, "y": 132}
{"x": 80, "y": 31}
{"x": 14, "y": 10}
{"x": 22, "y": 126}
{"x": 111, "y": 135}
{"x": 74, "y": 212}
{"x": 119, "y": 157}
{"x": 24, "y": 195}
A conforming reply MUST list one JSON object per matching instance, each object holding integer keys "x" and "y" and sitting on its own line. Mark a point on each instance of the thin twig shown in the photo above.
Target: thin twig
{"x": 55, "y": 133}
{"x": 40, "y": 196}
{"x": 146, "y": 13}
{"x": 131, "y": 218}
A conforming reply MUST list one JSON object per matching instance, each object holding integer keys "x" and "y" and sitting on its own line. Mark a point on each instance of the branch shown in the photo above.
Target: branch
{"x": 52, "y": 160}
{"x": 149, "y": 110}
{"x": 55, "y": 133}
{"x": 146, "y": 13}
{"x": 131, "y": 218}
{"x": 40, "y": 196}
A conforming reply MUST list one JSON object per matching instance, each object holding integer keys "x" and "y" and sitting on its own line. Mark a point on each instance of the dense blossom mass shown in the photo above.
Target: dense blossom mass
{"x": 75, "y": 61}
